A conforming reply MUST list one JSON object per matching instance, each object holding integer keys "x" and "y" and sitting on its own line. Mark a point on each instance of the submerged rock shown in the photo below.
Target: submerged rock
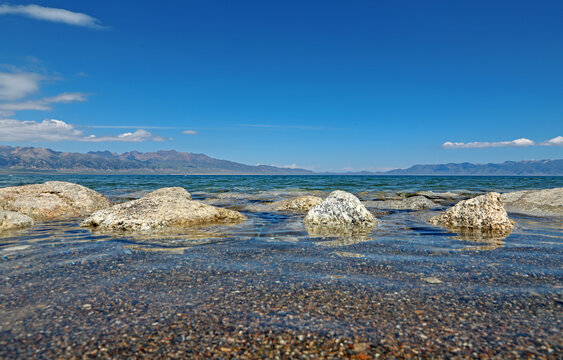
{"x": 52, "y": 200}
{"x": 340, "y": 208}
{"x": 548, "y": 202}
{"x": 300, "y": 203}
{"x": 11, "y": 220}
{"x": 163, "y": 209}
{"x": 411, "y": 203}
{"x": 484, "y": 213}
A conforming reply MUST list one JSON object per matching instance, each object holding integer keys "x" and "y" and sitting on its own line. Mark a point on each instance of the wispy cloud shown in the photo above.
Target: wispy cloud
{"x": 42, "y": 104}
{"x": 189, "y": 132}
{"x": 14, "y": 86}
{"x": 52, "y": 130}
{"x": 52, "y": 14}
{"x": 522, "y": 142}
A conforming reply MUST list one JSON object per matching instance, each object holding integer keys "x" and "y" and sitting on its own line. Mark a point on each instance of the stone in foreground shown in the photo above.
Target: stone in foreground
{"x": 52, "y": 200}
{"x": 10, "y": 220}
{"x": 300, "y": 203}
{"x": 163, "y": 209}
{"x": 484, "y": 213}
{"x": 340, "y": 208}
{"x": 548, "y": 202}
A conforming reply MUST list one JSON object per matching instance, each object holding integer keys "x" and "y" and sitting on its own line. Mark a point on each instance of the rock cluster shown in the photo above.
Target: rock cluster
{"x": 52, "y": 200}
{"x": 163, "y": 209}
{"x": 300, "y": 203}
{"x": 10, "y": 220}
{"x": 484, "y": 213}
{"x": 340, "y": 208}
{"x": 548, "y": 202}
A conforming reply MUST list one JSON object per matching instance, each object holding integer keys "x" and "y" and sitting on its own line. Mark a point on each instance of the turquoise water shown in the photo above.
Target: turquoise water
{"x": 115, "y": 183}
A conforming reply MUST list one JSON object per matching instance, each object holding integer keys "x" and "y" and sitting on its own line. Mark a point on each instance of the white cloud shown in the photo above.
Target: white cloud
{"x": 189, "y": 132}
{"x": 556, "y": 141}
{"x": 42, "y": 104}
{"x": 52, "y": 14}
{"x": 51, "y": 130}
{"x": 14, "y": 86}
{"x": 523, "y": 142}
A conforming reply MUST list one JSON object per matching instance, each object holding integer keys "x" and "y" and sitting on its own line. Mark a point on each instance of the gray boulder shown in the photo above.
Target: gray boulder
{"x": 340, "y": 208}
{"x": 52, "y": 200}
{"x": 484, "y": 213}
{"x": 10, "y": 220}
{"x": 548, "y": 202}
{"x": 163, "y": 209}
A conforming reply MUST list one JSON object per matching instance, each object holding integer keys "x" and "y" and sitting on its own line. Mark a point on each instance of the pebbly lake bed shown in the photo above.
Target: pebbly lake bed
{"x": 267, "y": 288}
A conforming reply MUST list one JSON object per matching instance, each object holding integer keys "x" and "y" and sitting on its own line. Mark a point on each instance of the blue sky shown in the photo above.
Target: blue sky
{"x": 326, "y": 85}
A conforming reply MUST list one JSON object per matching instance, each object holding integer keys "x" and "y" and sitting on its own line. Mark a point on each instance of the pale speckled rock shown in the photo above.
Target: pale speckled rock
{"x": 163, "y": 209}
{"x": 548, "y": 202}
{"x": 52, "y": 200}
{"x": 484, "y": 213}
{"x": 411, "y": 203}
{"x": 11, "y": 220}
{"x": 300, "y": 203}
{"x": 340, "y": 208}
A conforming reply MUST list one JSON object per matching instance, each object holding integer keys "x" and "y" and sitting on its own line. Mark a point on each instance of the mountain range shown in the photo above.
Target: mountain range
{"x": 32, "y": 159}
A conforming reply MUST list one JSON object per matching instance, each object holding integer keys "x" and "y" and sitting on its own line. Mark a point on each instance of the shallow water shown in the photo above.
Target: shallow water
{"x": 267, "y": 286}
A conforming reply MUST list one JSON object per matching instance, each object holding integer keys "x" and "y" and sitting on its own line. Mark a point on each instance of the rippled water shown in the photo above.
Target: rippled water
{"x": 60, "y": 263}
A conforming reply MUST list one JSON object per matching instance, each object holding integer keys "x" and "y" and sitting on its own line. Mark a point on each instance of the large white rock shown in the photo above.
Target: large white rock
{"x": 10, "y": 220}
{"x": 163, "y": 209}
{"x": 483, "y": 213}
{"x": 548, "y": 202}
{"x": 299, "y": 203}
{"x": 52, "y": 200}
{"x": 340, "y": 208}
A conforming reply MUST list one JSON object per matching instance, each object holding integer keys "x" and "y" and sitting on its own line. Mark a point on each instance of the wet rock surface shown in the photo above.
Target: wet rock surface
{"x": 340, "y": 208}
{"x": 548, "y": 202}
{"x": 410, "y": 203}
{"x": 299, "y": 204}
{"x": 164, "y": 209}
{"x": 10, "y": 220}
{"x": 484, "y": 213}
{"x": 52, "y": 200}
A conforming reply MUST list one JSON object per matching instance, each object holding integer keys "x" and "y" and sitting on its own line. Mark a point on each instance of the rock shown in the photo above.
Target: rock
{"x": 10, "y": 220}
{"x": 447, "y": 195}
{"x": 52, "y": 200}
{"x": 548, "y": 202}
{"x": 411, "y": 203}
{"x": 300, "y": 203}
{"x": 340, "y": 208}
{"x": 484, "y": 213}
{"x": 163, "y": 209}
{"x": 432, "y": 280}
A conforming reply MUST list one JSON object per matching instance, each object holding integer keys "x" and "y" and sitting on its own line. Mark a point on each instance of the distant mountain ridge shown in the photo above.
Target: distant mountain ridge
{"x": 160, "y": 162}
{"x": 32, "y": 159}
{"x": 507, "y": 168}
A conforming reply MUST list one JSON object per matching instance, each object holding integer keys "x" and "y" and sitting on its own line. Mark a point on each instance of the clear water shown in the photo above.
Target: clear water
{"x": 396, "y": 256}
